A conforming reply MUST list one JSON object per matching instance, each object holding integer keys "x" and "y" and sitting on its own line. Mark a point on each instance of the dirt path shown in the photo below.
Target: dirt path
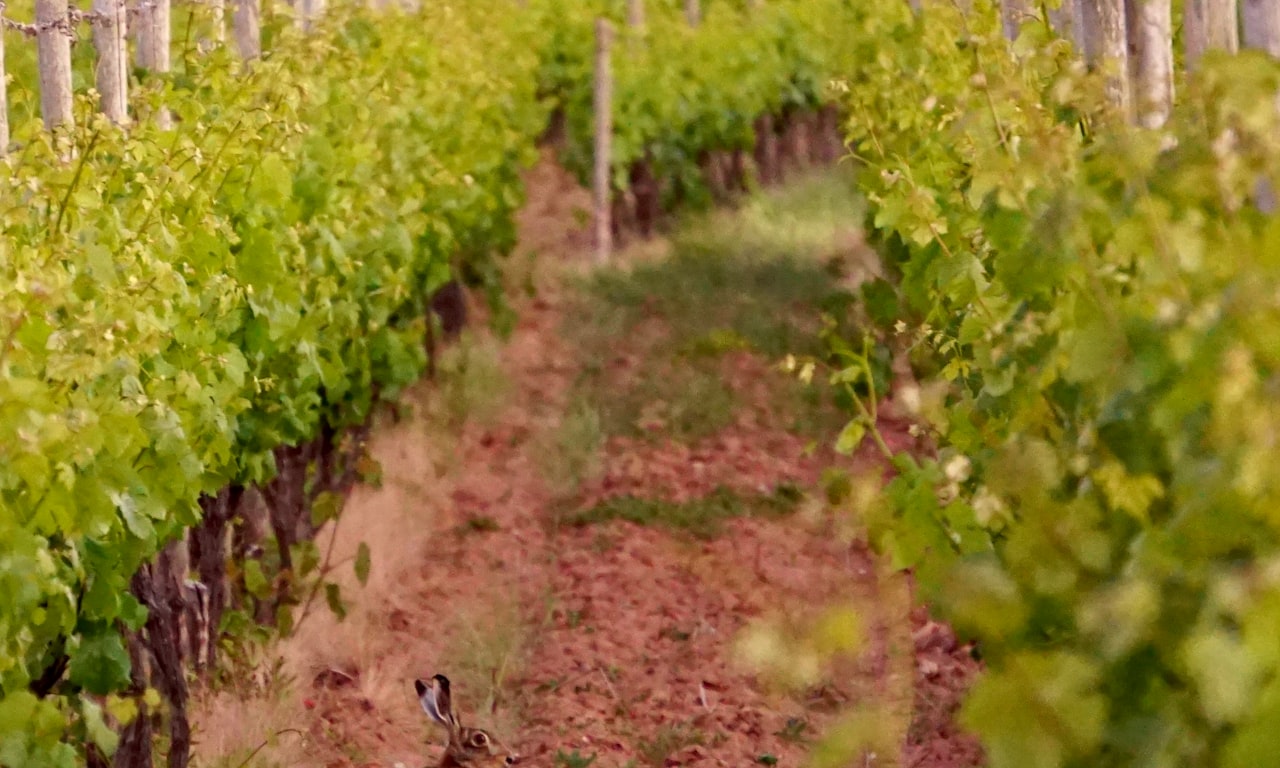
{"x": 611, "y": 640}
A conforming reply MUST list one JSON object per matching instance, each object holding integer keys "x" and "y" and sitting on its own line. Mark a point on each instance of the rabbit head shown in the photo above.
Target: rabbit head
{"x": 467, "y": 746}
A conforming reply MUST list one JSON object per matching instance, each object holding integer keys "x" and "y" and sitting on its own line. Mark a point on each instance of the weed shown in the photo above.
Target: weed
{"x": 794, "y": 730}
{"x": 473, "y": 383}
{"x": 667, "y": 741}
{"x": 485, "y": 651}
{"x": 549, "y": 686}
{"x": 701, "y": 517}
{"x": 574, "y": 759}
{"x": 570, "y": 455}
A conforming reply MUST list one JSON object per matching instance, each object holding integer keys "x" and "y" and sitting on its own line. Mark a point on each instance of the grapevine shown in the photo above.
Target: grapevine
{"x": 1093, "y": 314}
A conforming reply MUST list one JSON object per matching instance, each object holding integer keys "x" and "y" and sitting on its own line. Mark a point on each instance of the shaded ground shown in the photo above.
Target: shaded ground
{"x": 578, "y": 525}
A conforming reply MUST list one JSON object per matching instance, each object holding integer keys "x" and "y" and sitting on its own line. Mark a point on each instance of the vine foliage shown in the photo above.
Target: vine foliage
{"x": 194, "y": 312}
{"x": 1092, "y": 313}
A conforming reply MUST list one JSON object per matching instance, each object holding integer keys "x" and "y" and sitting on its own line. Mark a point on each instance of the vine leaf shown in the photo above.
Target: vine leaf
{"x": 101, "y": 664}
{"x": 362, "y": 563}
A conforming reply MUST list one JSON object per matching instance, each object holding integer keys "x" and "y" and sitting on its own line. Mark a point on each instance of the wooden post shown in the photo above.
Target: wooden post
{"x": 153, "y": 46}
{"x": 1106, "y": 46}
{"x": 635, "y": 13}
{"x": 248, "y": 29}
{"x": 602, "y": 186}
{"x": 1068, "y": 22}
{"x": 1149, "y": 26}
{"x": 693, "y": 12}
{"x": 218, "y": 9}
{"x": 1210, "y": 24}
{"x": 53, "y": 51}
{"x": 1261, "y": 21}
{"x": 308, "y": 12}
{"x": 4, "y": 97}
{"x": 1012, "y": 13}
{"x": 109, "y": 31}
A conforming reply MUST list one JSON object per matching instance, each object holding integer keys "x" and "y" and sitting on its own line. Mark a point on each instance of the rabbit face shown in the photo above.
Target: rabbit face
{"x": 467, "y": 746}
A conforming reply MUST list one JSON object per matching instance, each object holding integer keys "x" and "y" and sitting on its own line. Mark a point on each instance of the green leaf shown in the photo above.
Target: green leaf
{"x": 850, "y": 437}
{"x": 333, "y": 596}
{"x": 284, "y": 620}
{"x": 255, "y": 580}
{"x": 306, "y": 558}
{"x": 151, "y": 697}
{"x": 362, "y": 563}
{"x": 327, "y": 506}
{"x": 1128, "y": 493}
{"x": 275, "y": 179}
{"x": 97, "y": 729}
{"x": 122, "y": 708}
{"x": 100, "y": 664}
{"x": 1066, "y": 722}
{"x": 983, "y": 599}
{"x": 1094, "y": 350}
{"x": 132, "y": 613}
{"x": 1226, "y": 675}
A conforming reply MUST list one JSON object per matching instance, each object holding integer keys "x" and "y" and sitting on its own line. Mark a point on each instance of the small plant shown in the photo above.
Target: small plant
{"x": 666, "y": 742}
{"x": 569, "y": 456}
{"x": 473, "y": 382}
{"x": 487, "y": 649}
{"x": 574, "y": 759}
{"x": 794, "y": 730}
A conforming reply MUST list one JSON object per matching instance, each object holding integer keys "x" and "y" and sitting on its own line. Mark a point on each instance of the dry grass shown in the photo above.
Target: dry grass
{"x": 395, "y": 522}
{"x": 261, "y": 732}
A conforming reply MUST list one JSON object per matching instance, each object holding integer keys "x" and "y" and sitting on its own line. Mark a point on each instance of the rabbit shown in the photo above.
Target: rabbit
{"x": 467, "y": 746}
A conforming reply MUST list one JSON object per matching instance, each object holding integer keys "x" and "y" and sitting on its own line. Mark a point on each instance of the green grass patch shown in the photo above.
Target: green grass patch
{"x": 703, "y": 518}
{"x": 755, "y": 280}
{"x": 674, "y": 396}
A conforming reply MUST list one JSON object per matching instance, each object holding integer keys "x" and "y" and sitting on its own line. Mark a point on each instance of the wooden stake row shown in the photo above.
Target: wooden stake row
{"x": 1134, "y": 39}
{"x": 110, "y": 20}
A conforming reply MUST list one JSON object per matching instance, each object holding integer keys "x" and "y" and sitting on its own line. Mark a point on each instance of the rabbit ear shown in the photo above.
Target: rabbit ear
{"x": 433, "y": 695}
